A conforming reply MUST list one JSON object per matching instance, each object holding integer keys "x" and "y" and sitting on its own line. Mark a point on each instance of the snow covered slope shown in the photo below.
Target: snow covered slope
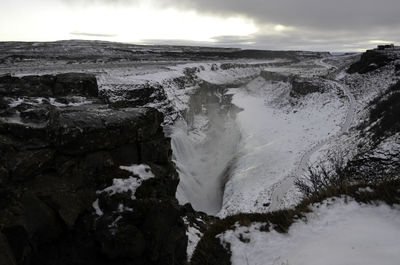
{"x": 274, "y": 139}
{"x": 335, "y": 233}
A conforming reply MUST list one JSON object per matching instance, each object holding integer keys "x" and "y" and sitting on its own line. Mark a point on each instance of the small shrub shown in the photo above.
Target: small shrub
{"x": 324, "y": 177}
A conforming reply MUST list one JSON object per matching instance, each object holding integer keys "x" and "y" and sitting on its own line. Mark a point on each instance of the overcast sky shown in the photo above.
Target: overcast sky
{"x": 340, "y": 25}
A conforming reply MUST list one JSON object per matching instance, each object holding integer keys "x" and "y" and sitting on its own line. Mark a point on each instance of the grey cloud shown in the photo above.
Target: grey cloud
{"x": 346, "y": 41}
{"x": 338, "y": 14}
{"x": 318, "y": 24}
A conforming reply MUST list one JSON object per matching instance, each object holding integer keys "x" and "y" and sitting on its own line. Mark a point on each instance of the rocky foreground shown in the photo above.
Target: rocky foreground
{"x": 60, "y": 144}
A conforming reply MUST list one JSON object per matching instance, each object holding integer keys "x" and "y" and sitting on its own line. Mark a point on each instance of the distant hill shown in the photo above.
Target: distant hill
{"x": 83, "y": 50}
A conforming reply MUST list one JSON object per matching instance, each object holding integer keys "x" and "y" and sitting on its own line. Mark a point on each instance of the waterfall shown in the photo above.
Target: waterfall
{"x": 202, "y": 152}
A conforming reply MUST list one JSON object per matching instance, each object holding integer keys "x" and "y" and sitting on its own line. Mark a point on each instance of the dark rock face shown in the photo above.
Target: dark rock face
{"x": 302, "y": 87}
{"x": 190, "y": 77}
{"x": 397, "y": 69}
{"x": 53, "y": 160}
{"x": 6, "y": 255}
{"x": 275, "y": 76}
{"x": 377, "y": 159}
{"x": 375, "y": 165}
{"x": 385, "y": 113}
{"x": 137, "y": 96}
{"x": 82, "y": 130}
{"x": 372, "y": 60}
{"x": 152, "y": 233}
{"x": 76, "y": 84}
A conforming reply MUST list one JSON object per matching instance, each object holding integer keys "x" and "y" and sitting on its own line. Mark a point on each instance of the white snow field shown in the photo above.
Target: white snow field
{"x": 335, "y": 233}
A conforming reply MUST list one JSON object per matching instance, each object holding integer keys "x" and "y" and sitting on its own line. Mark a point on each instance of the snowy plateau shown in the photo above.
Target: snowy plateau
{"x": 238, "y": 133}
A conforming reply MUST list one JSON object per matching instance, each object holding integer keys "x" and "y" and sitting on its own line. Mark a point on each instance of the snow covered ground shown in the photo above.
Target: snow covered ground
{"x": 275, "y": 136}
{"x": 335, "y": 233}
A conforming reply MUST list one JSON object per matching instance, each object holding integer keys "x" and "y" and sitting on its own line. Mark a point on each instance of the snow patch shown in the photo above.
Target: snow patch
{"x": 143, "y": 172}
{"x": 96, "y": 208}
{"x": 194, "y": 235}
{"x": 75, "y": 102}
{"x": 16, "y": 103}
{"x": 366, "y": 190}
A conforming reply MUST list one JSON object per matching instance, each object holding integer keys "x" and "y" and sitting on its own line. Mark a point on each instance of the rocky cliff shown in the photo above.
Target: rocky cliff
{"x": 372, "y": 60}
{"x": 61, "y": 146}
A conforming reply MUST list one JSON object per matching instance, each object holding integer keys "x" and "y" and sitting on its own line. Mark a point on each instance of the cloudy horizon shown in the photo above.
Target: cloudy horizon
{"x": 254, "y": 24}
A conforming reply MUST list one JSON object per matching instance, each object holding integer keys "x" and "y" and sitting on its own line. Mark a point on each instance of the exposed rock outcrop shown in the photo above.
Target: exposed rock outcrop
{"x": 276, "y": 76}
{"x": 134, "y": 95}
{"x": 75, "y": 84}
{"x": 302, "y": 87}
{"x": 378, "y": 159}
{"x": 372, "y": 60}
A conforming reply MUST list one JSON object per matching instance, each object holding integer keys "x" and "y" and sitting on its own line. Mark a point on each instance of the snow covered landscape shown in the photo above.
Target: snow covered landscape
{"x": 188, "y": 148}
